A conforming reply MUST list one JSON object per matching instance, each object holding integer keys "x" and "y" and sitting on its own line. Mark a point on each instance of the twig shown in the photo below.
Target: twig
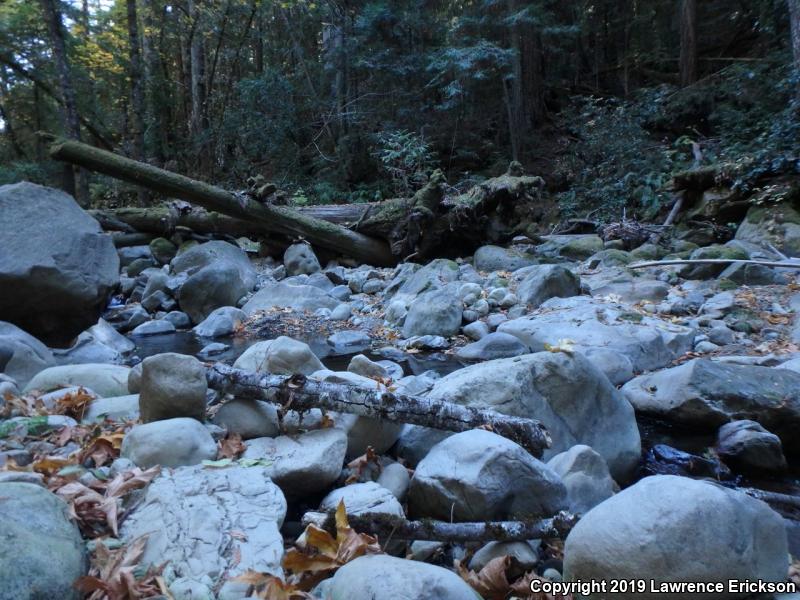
{"x": 377, "y": 403}
{"x": 557, "y": 526}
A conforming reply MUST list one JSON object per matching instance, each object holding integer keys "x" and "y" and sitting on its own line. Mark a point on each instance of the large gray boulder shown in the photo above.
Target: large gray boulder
{"x": 254, "y": 359}
{"x": 411, "y": 280}
{"x": 777, "y": 225}
{"x": 433, "y": 313}
{"x": 480, "y": 476}
{"x": 210, "y": 288}
{"x": 747, "y": 446}
{"x": 169, "y": 443}
{"x": 21, "y": 355}
{"x": 382, "y": 577}
{"x": 172, "y": 385}
{"x": 214, "y": 253}
{"x": 299, "y": 259}
{"x": 705, "y": 394}
{"x": 211, "y": 522}
{"x": 649, "y": 343}
{"x": 283, "y": 295}
{"x": 675, "y": 529}
{"x": 495, "y": 258}
{"x": 567, "y": 393}
{"x": 302, "y": 464}
{"x": 42, "y": 553}
{"x": 543, "y": 282}
{"x": 105, "y": 380}
{"x": 219, "y": 274}
{"x": 57, "y": 268}
{"x": 248, "y": 418}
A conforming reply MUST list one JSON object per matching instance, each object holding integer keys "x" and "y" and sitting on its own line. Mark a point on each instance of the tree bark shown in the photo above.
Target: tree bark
{"x": 794, "y": 21}
{"x": 72, "y": 124}
{"x": 390, "y": 526}
{"x": 303, "y": 394}
{"x": 273, "y": 218}
{"x": 688, "y": 57}
{"x": 137, "y": 92}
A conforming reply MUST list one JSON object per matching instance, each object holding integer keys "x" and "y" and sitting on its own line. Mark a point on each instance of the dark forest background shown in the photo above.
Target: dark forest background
{"x": 353, "y": 101}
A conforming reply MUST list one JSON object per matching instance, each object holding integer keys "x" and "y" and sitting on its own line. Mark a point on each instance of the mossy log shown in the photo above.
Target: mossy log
{"x": 433, "y": 223}
{"x": 302, "y": 394}
{"x": 277, "y": 219}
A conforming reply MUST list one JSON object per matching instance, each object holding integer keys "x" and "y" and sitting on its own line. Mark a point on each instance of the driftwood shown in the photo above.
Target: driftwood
{"x": 773, "y": 498}
{"x": 298, "y": 393}
{"x": 277, "y": 219}
{"x": 394, "y": 527}
{"x": 714, "y": 261}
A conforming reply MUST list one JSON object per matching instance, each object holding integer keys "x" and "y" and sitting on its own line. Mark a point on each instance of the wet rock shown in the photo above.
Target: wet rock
{"x": 492, "y": 346}
{"x": 159, "y": 327}
{"x": 666, "y": 460}
{"x": 172, "y": 385}
{"x": 179, "y": 319}
{"x": 349, "y": 341}
{"x": 222, "y": 321}
{"x": 169, "y": 443}
{"x": 476, "y": 331}
{"x": 105, "y": 380}
{"x": 300, "y": 259}
{"x": 303, "y": 464}
{"x": 586, "y": 477}
{"x": 211, "y": 522}
{"x": 248, "y": 418}
{"x": 42, "y": 553}
{"x": 62, "y": 264}
{"x": 705, "y": 394}
{"x": 748, "y": 447}
{"x": 694, "y": 539}
{"x": 568, "y": 394}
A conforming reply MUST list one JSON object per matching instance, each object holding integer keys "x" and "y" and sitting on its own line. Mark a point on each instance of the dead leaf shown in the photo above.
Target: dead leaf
{"x": 231, "y": 447}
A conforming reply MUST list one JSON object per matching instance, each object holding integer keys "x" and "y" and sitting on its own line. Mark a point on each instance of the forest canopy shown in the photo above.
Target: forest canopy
{"x": 354, "y": 101}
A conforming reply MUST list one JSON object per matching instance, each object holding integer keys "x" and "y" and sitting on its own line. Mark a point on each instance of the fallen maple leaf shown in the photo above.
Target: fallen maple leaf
{"x": 231, "y": 447}
{"x": 269, "y": 587}
{"x": 321, "y": 553}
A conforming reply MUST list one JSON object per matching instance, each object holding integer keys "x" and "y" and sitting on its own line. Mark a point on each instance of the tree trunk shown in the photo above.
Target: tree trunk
{"x": 794, "y": 20}
{"x": 303, "y": 394}
{"x": 273, "y": 218}
{"x": 199, "y": 120}
{"x": 688, "y": 57}
{"x": 155, "y": 96}
{"x": 137, "y": 93}
{"x": 52, "y": 16}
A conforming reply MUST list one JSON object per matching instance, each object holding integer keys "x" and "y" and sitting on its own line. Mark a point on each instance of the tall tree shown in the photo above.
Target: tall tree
{"x": 688, "y": 57}
{"x": 75, "y": 180}
{"x": 137, "y": 91}
{"x": 794, "y": 19}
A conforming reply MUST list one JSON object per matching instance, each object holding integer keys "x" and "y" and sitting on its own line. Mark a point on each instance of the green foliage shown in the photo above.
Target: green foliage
{"x": 407, "y": 158}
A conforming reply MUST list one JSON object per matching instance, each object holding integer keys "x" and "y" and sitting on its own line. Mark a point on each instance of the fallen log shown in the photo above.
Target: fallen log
{"x": 714, "y": 261}
{"x": 277, "y": 219}
{"x": 430, "y": 224}
{"x": 302, "y": 394}
{"x": 394, "y": 527}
